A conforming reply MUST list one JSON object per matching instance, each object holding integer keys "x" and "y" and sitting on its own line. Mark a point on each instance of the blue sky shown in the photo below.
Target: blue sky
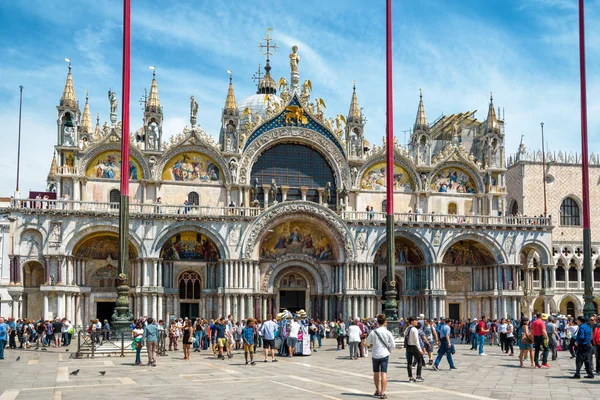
{"x": 457, "y": 51}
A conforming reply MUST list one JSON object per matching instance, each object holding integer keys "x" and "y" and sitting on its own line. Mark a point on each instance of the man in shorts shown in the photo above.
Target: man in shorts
{"x": 382, "y": 342}
{"x": 220, "y": 329}
{"x": 57, "y": 331}
{"x": 248, "y": 338}
{"x": 267, "y": 331}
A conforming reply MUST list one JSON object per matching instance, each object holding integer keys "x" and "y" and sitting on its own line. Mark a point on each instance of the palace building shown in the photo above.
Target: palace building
{"x": 274, "y": 215}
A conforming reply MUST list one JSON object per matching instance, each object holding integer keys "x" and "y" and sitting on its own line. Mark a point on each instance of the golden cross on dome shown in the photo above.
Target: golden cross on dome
{"x": 269, "y": 47}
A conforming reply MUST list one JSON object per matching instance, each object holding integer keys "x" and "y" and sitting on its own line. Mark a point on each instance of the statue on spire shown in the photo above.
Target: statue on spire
{"x": 295, "y": 74}
{"x": 294, "y": 60}
{"x": 112, "y": 98}
{"x": 193, "y": 110}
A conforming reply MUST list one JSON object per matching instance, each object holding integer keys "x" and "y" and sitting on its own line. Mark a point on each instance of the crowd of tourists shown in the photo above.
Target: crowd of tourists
{"x": 537, "y": 341}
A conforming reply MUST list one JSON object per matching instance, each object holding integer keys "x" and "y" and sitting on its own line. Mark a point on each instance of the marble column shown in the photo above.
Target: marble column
{"x": 220, "y": 306}
{"x": 227, "y": 306}
{"x": 250, "y": 307}
{"x": 154, "y": 273}
{"x": 145, "y": 305}
{"x": 154, "y": 311}
{"x": 242, "y": 308}
{"x": 60, "y": 301}
{"x": 264, "y": 309}
{"x": 45, "y": 305}
{"x": 326, "y": 308}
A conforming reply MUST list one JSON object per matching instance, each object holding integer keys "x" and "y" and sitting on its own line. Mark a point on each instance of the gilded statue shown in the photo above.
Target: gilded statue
{"x": 193, "y": 107}
{"x": 282, "y": 83}
{"x": 294, "y": 59}
{"x": 295, "y": 113}
{"x": 112, "y": 98}
{"x": 307, "y": 87}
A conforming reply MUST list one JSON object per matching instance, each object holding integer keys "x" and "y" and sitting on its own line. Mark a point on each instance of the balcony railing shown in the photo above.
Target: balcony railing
{"x": 561, "y": 284}
{"x": 170, "y": 209}
{"x": 135, "y": 208}
{"x": 448, "y": 218}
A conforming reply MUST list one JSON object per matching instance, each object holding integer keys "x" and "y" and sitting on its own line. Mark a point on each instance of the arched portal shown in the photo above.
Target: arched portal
{"x": 406, "y": 252}
{"x": 190, "y": 291}
{"x": 33, "y": 278}
{"x": 539, "y": 305}
{"x": 95, "y": 265}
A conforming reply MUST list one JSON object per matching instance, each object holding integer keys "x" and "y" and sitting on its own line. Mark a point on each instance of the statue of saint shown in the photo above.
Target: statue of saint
{"x": 112, "y": 98}
{"x": 273, "y": 190}
{"x": 193, "y": 107}
{"x": 294, "y": 59}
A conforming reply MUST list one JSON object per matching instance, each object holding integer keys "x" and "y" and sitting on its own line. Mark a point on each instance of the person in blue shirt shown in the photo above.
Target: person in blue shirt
{"x": 445, "y": 345}
{"x": 248, "y": 338}
{"x": 3, "y": 337}
{"x": 583, "y": 345}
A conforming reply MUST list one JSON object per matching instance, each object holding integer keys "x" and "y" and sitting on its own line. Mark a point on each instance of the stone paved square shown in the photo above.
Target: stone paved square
{"x": 326, "y": 374}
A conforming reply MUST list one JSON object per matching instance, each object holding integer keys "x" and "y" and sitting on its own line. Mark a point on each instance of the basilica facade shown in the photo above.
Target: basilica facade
{"x": 284, "y": 210}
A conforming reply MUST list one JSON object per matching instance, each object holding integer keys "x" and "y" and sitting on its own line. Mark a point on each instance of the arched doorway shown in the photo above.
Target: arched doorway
{"x": 469, "y": 266}
{"x": 539, "y": 306}
{"x": 569, "y": 306}
{"x": 190, "y": 289}
{"x": 95, "y": 266}
{"x": 293, "y": 288}
{"x": 33, "y": 278}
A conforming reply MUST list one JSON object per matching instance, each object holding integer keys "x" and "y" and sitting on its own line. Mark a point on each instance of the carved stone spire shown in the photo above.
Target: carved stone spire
{"x": 230, "y": 103}
{"x": 86, "y": 119}
{"x": 354, "y": 114}
{"x": 53, "y": 167}
{"x": 68, "y": 98}
{"x": 153, "y": 102}
{"x": 421, "y": 120}
{"x": 492, "y": 120}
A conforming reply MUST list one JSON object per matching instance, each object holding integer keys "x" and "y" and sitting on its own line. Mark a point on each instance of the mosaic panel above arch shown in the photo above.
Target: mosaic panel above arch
{"x": 406, "y": 252}
{"x": 189, "y": 246}
{"x": 107, "y": 165}
{"x": 192, "y": 167}
{"x": 101, "y": 246}
{"x": 468, "y": 252}
{"x": 374, "y": 178}
{"x": 453, "y": 180}
{"x": 297, "y": 237}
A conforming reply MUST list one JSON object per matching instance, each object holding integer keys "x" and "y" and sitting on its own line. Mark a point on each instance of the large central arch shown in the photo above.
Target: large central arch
{"x": 304, "y": 210}
{"x": 297, "y": 135}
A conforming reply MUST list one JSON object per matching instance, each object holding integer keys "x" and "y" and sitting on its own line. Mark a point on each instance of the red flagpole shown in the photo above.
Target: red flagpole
{"x": 123, "y": 316}
{"x": 125, "y": 99}
{"x": 588, "y": 295}
{"x": 391, "y": 306}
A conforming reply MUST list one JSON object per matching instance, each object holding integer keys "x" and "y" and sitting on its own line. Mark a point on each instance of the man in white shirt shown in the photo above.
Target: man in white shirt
{"x": 413, "y": 349}
{"x": 268, "y": 331}
{"x": 382, "y": 341}
{"x": 292, "y": 338}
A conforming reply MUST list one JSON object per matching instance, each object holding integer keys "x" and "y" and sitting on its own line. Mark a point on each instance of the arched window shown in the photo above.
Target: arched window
{"x": 189, "y": 286}
{"x": 573, "y": 274}
{"x": 571, "y": 308}
{"x": 193, "y": 199}
{"x": 452, "y": 208}
{"x": 114, "y": 197}
{"x": 597, "y": 274}
{"x": 569, "y": 212}
{"x": 514, "y": 207}
{"x": 296, "y": 166}
{"x": 536, "y": 274}
{"x": 560, "y": 273}
{"x": 384, "y": 206}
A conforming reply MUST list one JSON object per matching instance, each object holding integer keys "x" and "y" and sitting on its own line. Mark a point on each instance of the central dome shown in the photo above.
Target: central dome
{"x": 257, "y": 104}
